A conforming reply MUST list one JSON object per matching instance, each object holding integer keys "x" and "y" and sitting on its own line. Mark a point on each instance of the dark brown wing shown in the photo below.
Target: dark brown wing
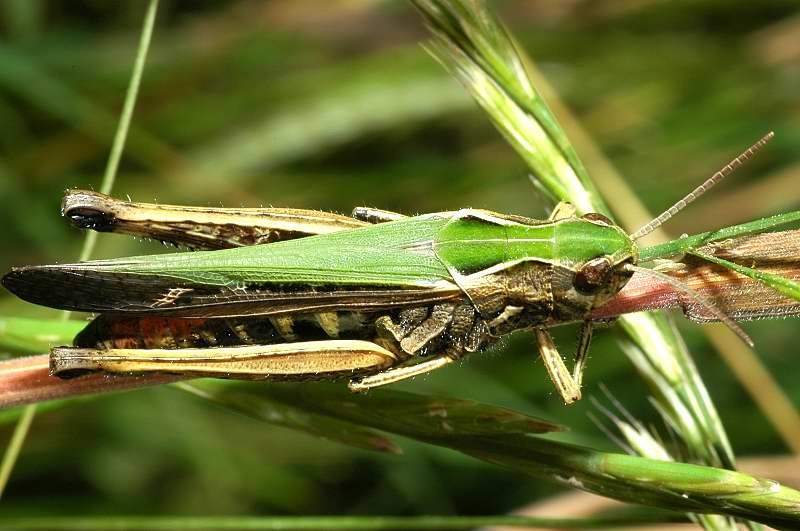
{"x": 98, "y": 291}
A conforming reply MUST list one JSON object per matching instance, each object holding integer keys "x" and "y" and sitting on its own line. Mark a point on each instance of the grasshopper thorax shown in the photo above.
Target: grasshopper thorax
{"x": 520, "y": 274}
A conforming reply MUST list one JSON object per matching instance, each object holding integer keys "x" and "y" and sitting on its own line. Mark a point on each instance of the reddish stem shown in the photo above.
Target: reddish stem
{"x": 27, "y": 380}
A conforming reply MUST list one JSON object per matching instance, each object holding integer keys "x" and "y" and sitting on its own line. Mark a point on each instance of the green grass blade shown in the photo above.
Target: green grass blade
{"x": 437, "y": 415}
{"x": 288, "y": 416}
{"x": 687, "y": 243}
{"x": 34, "y": 336}
{"x": 15, "y": 445}
{"x": 506, "y": 438}
{"x": 123, "y": 127}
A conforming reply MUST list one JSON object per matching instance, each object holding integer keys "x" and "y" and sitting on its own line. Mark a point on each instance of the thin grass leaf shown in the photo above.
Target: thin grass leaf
{"x": 686, "y": 243}
{"x": 30, "y": 336}
{"x": 288, "y": 416}
{"x": 782, "y": 285}
{"x": 15, "y": 445}
{"x": 439, "y": 415}
{"x": 499, "y": 437}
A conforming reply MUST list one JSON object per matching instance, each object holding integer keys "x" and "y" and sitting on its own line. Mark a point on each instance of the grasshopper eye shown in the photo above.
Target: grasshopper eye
{"x": 592, "y": 276}
{"x": 594, "y": 216}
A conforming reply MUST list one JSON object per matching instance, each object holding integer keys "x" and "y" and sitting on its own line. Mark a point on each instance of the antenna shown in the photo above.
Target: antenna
{"x": 697, "y": 299}
{"x": 703, "y": 188}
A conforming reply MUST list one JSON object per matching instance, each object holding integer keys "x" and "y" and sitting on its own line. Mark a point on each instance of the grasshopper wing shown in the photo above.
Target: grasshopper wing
{"x": 370, "y": 268}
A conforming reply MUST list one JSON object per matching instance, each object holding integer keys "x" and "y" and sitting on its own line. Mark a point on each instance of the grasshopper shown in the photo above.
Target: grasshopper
{"x": 377, "y": 297}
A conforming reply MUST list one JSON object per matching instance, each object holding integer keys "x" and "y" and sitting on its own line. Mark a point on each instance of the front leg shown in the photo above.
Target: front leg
{"x": 582, "y": 354}
{"x": 567, "y": 387}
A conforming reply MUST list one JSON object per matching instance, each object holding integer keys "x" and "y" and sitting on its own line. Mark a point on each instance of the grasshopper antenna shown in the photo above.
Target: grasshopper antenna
{"x": 697, "y": 299}
{"x": 703, "y": 188}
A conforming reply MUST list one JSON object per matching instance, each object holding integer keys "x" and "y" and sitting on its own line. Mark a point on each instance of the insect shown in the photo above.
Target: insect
{"x": 298, "y": 294}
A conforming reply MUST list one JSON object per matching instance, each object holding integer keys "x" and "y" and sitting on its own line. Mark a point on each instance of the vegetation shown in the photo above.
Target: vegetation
{"x": 317, "y": 107}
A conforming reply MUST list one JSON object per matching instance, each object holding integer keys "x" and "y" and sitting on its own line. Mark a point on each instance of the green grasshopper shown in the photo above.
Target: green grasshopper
{"x": 378, "y": 297}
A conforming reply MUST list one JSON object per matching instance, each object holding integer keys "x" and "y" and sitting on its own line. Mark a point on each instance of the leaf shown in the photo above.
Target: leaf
{"x": 507, "y": 438}
{"x": 20, "y": 335}
{"x": 237, "y": 398}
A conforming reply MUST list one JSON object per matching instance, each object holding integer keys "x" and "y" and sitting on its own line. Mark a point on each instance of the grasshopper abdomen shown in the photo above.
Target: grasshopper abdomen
{"x": 416, "y": 331}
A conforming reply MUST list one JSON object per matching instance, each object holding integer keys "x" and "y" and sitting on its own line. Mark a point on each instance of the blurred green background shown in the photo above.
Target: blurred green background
{"x": 330, "y": 105}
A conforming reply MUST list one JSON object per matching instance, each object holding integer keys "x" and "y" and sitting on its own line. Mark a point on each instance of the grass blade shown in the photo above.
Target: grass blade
{"x": 780, "y": 284}
{"x": 686, "y": 243}
{"x": 506, "y": 438}
{"x": 15, "y": 445}
{"x": 31, "y": 336}
{"x": 288, "y": 416}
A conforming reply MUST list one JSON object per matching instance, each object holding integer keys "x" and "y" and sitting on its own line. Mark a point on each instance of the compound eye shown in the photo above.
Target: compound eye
{"x": 595, "y": 216}
{"x": 592, "y": 276}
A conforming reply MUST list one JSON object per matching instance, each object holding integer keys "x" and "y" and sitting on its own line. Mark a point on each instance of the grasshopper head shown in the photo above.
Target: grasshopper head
{"x": 588, "y": 278}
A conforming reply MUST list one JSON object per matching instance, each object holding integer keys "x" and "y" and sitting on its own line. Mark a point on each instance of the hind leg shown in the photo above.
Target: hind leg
{"x": 416, "y": 330}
